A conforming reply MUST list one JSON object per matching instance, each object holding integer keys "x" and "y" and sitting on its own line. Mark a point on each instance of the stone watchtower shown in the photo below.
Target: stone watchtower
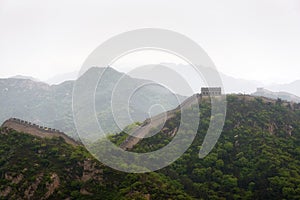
{"x": 211, "y": 91}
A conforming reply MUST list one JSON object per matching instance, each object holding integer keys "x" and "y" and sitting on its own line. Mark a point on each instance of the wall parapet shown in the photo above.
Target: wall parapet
{"x": 37, "y": 130}
{"x": 33, "y": 125}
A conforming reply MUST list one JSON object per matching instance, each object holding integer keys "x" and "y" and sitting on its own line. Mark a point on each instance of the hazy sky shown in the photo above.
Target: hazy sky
{"x": 251, "y": 39}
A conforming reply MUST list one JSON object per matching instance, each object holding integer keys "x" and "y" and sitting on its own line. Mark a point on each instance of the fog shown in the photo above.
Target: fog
{"x": 251, "y": 39}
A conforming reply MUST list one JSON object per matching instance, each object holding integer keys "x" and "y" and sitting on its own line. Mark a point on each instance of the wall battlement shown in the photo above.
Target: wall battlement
{"x": 211, "y": 91}
{"x": 36, "y": 130}
{"x": 29, "y": 124}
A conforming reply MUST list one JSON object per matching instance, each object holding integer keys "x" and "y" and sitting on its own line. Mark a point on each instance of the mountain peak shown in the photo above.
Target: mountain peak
{"x": 25, "y": 77}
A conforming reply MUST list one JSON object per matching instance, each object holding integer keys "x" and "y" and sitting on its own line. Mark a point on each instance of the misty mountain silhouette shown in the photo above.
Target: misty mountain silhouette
{"x": 52, "y": 105}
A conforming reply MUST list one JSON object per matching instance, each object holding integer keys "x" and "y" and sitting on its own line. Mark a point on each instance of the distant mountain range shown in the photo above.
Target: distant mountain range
{"x": 151, "y": 72}
{"x": 230, "y": 84}
{"x": 60, "y": 78}
{"x": 52, "y": 105}
{"x": 293, "y": 87}
{"x": 276, "y": 95}
{"x": 181, "y": 75}
{"x": 25, "y": 77}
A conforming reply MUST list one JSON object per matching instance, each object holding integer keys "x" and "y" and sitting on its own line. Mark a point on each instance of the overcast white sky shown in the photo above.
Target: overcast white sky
{"x": 251, "y": 39}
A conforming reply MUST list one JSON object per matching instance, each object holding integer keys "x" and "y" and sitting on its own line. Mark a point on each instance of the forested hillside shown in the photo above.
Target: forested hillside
{"x": 256, "y": 157}
{"x": 36, "y": 168}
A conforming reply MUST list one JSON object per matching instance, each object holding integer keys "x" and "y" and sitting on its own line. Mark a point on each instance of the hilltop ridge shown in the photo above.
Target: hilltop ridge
{"x": 256, "y": 157}
{"x": 36, "y": 130}
{"x": 170, "y": 115}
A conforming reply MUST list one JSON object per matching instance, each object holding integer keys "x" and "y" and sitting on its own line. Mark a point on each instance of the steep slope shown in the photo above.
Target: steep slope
{"x": 144, "y": 129}
{"x": 256, "y": 157}
{"x": 40, "y": 168}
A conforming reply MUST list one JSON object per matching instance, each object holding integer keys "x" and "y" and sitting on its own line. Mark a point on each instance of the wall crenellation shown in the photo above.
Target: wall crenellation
{"x": 33, "y": 125}
{"x": 211, "y": 91}
{"x": 37, "y": 130}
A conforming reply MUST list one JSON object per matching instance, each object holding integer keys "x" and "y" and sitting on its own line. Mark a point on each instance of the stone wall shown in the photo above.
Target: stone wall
{"x": 211, "y": 91}
{"x": 36, "y": 130}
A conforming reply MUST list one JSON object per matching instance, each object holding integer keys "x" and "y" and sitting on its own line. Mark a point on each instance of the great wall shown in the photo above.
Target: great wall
{"x": 36, "y": 130}
{"x": 139, "y": 133}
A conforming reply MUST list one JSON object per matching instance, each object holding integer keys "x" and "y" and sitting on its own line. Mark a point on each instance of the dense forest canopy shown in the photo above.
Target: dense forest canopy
{"x": 256, "y": 157}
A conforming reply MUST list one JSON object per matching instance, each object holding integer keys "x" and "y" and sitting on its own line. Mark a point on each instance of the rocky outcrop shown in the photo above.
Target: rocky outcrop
{"x": 52, "y": 185}
{"x": 14, "y": 178}
{"x": 5, "y": 192}
{"x": 33, "y": 187}
{"x": 90, "y": 171}
{"x": 272, "y": 127}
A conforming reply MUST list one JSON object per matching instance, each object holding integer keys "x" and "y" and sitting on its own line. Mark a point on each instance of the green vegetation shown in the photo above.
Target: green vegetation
{"x": 29, "y": 168}
{"x": 256, "y": 157}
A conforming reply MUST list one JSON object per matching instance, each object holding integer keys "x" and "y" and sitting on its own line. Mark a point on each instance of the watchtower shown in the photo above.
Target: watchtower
{"x": 211, "y": 91}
